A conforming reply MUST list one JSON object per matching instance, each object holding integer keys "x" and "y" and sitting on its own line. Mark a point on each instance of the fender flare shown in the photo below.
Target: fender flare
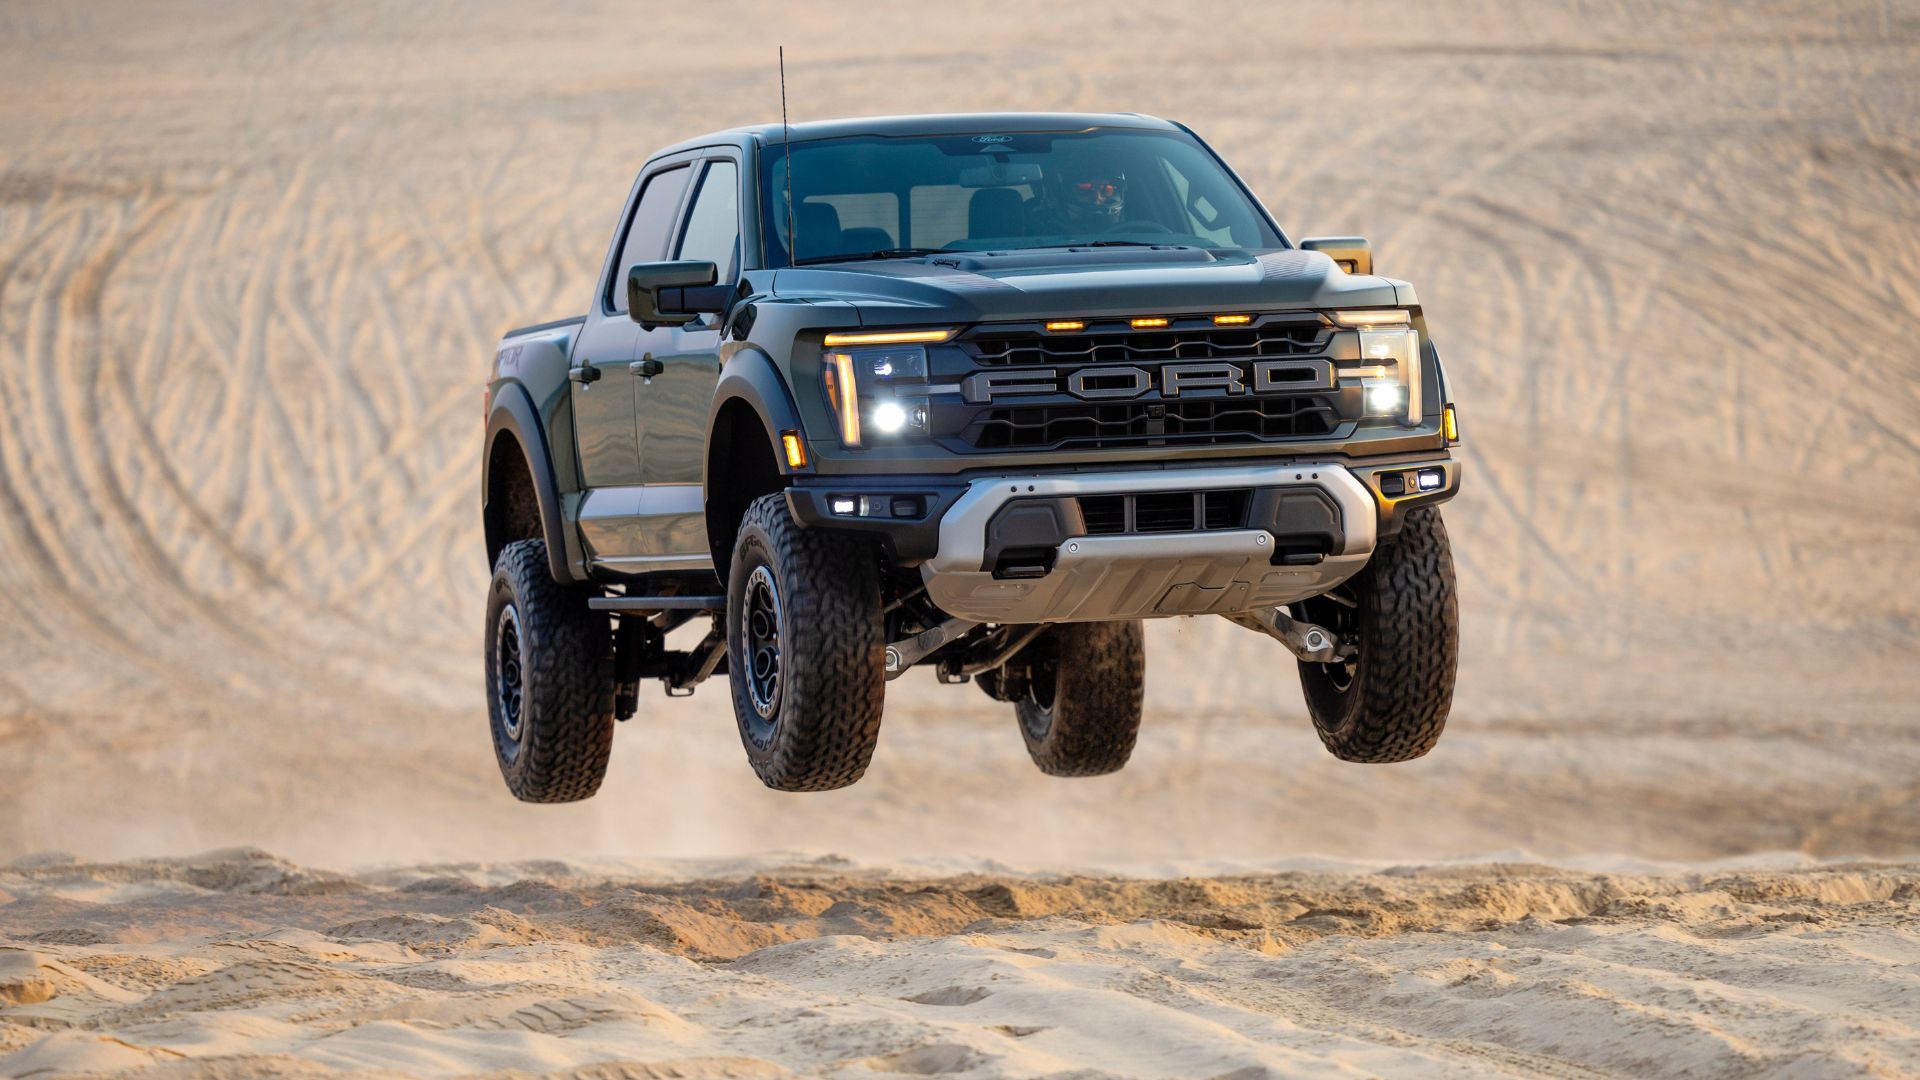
{"x": 513, "y": 413}
{"x": 751, "y": 377}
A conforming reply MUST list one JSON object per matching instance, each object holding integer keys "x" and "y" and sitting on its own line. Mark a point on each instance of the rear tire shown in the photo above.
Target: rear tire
{"x": 1079, "y": 689}
{"x": 1390, "y": 702}
{"x": 549, "y": 680}
{"x": 805, "y": 650}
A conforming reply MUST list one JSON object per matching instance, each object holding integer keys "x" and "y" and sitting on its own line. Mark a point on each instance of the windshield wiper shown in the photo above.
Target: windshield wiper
{"x": 884, "y": 253}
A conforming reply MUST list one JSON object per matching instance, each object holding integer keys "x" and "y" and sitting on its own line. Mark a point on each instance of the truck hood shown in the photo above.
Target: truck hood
{"x": 967, "y": 287}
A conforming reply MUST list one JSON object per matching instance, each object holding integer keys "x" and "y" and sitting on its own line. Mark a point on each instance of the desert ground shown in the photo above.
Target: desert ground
{"x": 253, "y": 259}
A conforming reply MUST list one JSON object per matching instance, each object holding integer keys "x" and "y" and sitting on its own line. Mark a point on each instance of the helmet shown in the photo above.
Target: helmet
{"x": 1095, "y": 199}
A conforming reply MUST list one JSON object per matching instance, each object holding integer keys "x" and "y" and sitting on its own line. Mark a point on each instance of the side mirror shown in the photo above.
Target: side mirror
{"x": 1351, "y": 252}
{"x": 674, "y": 293}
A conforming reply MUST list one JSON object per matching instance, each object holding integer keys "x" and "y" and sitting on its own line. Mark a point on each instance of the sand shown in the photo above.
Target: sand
{"x": 237, "y": 963}
{"x": 252, "y": 263}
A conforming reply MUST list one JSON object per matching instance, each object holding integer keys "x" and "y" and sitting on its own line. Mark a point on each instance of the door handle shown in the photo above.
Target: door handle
{"x": 584, "y": 374}
{"x": 649, "y": 367}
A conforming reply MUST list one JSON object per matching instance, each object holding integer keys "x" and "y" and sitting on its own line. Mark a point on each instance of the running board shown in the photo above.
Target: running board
{"x": 640, "y": 605}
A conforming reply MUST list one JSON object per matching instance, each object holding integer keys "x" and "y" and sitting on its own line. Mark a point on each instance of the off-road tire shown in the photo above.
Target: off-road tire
{"x": 823, "y": 709}
{"x": 1082, "y": 684}
{"x": 1390, "y": 702}
{"x": 553, "y": 732}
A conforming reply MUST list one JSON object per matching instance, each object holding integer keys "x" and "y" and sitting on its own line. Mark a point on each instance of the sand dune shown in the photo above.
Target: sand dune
{"x": 252, "y": 262}
{"x": 821, "y": 968}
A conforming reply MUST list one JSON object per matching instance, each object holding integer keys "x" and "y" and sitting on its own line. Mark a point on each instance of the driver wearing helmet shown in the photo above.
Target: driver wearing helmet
{"x": 1083, "y": 201}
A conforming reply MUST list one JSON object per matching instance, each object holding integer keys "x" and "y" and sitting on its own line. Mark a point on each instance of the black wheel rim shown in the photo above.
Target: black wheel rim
{"x": 1339, "y": 611}
{"x": 510, "y": 675}
{"x": 760, "y": 653}
{"x": 1043, "y": 685}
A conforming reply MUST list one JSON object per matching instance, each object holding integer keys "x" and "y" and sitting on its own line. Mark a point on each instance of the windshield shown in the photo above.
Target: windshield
{"x": 873, "y": 197}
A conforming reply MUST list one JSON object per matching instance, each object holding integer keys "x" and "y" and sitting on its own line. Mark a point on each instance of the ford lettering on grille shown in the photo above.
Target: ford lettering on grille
{"x": 1124, "y": 382}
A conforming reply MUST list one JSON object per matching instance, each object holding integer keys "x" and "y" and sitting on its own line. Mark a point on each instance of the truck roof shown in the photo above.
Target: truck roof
{"x": 933, "y": 124}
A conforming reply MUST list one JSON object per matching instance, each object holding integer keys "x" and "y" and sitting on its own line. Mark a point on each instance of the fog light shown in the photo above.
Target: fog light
{"x": 1431, "y": 479}
{"x": 876, "y": 506}
{"x": 843, "y": 505}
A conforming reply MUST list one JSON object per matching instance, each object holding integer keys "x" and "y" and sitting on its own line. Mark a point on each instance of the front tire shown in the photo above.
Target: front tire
{"x": 1390, "y": 701}
{"x": 1077, "y": 692}
{"x": 549, "y": 680}
{"x": 805, "y": 650}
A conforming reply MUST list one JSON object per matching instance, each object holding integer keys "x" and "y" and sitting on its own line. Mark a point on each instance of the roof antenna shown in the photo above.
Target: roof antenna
{"x": 786, "y": 146}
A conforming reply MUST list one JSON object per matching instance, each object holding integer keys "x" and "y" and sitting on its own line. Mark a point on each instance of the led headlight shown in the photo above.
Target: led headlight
{"x": 1389, "y": 366}
{"x": 879, "y": 390}
{"x": 1384, "y": 396}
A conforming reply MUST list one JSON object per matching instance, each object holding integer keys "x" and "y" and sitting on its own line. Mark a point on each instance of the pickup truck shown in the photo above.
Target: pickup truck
{"x": 977, "y": 393}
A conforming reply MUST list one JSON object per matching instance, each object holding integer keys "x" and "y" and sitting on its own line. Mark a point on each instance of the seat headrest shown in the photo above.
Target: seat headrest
{"x": 860, "y": 241}
{"x": 996, "y": 212}
{"x": 818, "y": 226}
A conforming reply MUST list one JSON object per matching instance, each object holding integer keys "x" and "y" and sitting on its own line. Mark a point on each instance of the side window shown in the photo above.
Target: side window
{"x": 713, "y": 225}
{"x": 647, "y": 232}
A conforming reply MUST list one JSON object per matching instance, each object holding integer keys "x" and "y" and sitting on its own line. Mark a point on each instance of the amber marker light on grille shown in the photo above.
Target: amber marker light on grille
{"x": 1232, "y": 320}
{"x": 889, "y": 337}
{"x": 796, "y": 450}
{"x": 1148, "y": 324}
{"x": 1449, "y": 424}
{"x": 1066, "y": 324}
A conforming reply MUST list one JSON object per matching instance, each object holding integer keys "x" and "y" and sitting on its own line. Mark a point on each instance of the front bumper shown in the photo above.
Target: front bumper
{"x": 1308, "y": 527}
{"x": 1027, "y": 548}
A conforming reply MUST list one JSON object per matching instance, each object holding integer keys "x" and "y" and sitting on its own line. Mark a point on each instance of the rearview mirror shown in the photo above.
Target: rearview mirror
{"x": 1351, "y": 252}
{"x": 674, "y": 293}
{"x": 1000, "y": 174}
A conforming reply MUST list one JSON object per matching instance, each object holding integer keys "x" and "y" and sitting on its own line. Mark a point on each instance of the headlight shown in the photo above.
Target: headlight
{"x": 1389, "y": 365}
{"x": 882, "y": 390}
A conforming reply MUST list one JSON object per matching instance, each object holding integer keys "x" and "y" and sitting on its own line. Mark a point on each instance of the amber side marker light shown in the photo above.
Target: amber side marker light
{"x": 1147, "y": 324}
{"x": 1066, "y": 324}
{"x": 889, "y": 337}
{"x": 1449, "y": 425}
{"x": 796, "y": 450}
{"x": 1232, "y": 320}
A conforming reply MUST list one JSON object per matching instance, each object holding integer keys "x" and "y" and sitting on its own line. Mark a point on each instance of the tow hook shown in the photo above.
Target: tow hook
{"x": 1310, "y": 642}
{"x": 902, "y": 655}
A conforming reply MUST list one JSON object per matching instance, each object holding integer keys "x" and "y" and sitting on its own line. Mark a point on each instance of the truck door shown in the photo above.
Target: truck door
{"x": 684, "y": 364}
{"x": 603, "y": 375}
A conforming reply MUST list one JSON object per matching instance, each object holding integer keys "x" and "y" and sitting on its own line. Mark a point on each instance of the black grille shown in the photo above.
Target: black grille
{"x": 1173, "y": 511}
{"x": 1104, "y": 514}
{"x": 1138, "y": 423}
{"x": 1134, "y": 347}
{"x": 1225, "y": 509}
{"x": 1163, "y": 513}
